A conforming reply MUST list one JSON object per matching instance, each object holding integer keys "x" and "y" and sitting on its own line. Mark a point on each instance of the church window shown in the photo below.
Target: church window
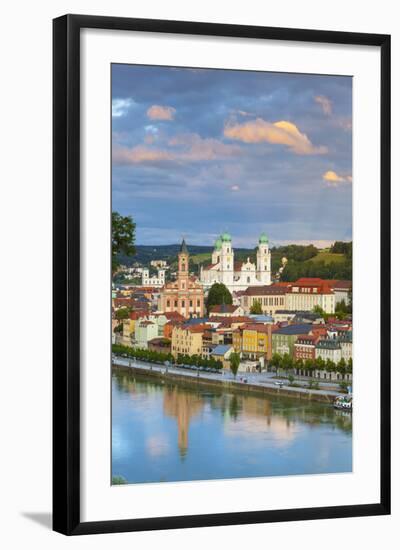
{"x": 198, "y": 303}
{"x": 191, "y": 303}
{"x": 183, "y": 303}
{"x": 168, "y": 303}
{"x": 176, "y": 303}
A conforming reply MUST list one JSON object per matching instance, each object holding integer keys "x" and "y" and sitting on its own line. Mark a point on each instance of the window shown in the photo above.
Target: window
{"x": 248, "y": 279}
{"x": 183, "y": 303}
{"x": 191, "y": 303}
{"x": 176, "y": 303}
{"x": 168, "y": 303}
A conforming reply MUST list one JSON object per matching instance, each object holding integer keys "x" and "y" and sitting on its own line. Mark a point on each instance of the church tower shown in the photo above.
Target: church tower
{"x": 263, "y": 260}
{"x": 183, "y": 266}
{"x": 227, "y": 260}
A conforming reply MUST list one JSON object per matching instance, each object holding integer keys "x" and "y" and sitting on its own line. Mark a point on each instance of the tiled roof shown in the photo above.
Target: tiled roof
{"x": 221, "y": 349}
{"x": 224, "y": 308}
{"x": 264, "y": 290}
{"x": 292, "y": 330}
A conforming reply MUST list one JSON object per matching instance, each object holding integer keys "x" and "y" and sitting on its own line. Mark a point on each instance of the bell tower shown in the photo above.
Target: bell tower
{"x": 263, "y": 260}
{"x": 183, "y": 266}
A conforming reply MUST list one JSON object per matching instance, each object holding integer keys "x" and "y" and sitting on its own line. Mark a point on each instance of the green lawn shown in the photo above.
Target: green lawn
{"x": 202, "y": 258}
{"x": 327, "y": 257}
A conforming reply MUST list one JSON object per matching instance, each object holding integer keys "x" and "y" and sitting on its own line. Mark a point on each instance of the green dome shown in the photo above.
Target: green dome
{"x": 218, "y": 244}
{"x": 263, "y": 239}
{"x": 226, "y": 238}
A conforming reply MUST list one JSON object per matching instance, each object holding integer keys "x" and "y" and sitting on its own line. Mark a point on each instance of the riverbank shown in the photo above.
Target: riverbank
{"x": 233, "y": 386}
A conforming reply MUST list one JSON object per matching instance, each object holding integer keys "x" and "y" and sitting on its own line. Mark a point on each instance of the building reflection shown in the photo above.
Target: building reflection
{"x": 182, "y": 406}
{"x": 243, "y": 415}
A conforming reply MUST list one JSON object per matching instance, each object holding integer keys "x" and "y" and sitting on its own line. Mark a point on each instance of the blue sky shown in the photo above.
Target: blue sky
{"x": 199, "y": 151}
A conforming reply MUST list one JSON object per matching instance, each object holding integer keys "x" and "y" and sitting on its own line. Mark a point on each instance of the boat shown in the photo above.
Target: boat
{"x": 344, "y": 403}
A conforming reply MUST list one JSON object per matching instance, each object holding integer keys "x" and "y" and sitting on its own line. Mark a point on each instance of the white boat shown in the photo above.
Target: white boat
{"x": 344, "y": 403}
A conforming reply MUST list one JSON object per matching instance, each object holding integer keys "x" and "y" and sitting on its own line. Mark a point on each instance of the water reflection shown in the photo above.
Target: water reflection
{"x": 164, "y": 432}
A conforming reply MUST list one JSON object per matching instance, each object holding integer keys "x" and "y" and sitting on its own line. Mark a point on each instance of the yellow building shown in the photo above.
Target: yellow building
{"x": 253, "y": 341}
{"x": 187, "y": 340}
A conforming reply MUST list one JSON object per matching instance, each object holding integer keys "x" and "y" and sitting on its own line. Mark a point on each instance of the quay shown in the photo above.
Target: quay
{"x": 260, "y": 384}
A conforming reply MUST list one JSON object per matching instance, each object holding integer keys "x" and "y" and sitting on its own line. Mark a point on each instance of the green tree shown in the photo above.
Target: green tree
{"x": 122, "y": 313}
{"x": 217, "y": 295}
{"x": 256, "y": 307}
{"x": 234, "y": 361}
{"x": 290, "y": 379}
{"x": 122, "y": 238}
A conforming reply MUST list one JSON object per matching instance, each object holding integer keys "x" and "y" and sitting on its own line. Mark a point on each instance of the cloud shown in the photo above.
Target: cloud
{"x": 235, "y": 188}
{"x": 139, "y": 155}
{"x": 120, "y": 107}
{"x": 325, "y": 103}
{"x": 281, "y": 133}
{"x": 333, "y": 179}
{"x": 183, "y": 149}
{"x": 160, "y": 112}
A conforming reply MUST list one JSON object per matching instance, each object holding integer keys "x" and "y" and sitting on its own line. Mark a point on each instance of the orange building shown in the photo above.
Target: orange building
{"x": 186, "y": 294}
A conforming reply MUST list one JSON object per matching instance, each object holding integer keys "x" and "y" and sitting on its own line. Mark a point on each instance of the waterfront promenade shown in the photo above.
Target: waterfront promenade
{"x": 246, "y": 382}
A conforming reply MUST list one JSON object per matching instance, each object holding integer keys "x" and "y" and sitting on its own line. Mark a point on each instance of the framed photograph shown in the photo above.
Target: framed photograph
{"x": 221, "y": 258}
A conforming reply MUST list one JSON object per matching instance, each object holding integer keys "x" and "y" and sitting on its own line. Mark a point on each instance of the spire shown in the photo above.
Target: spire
{"x": 184, "y": 247}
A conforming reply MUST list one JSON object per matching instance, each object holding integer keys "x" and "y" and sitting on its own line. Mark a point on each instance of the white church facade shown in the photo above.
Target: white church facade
{"x": 237, "y": 275}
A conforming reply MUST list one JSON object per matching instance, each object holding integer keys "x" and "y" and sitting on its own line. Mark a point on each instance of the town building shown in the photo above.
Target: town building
{"x": 307, "y": 293}
{"x": 161, "y": 345}
{"x": 253, "y": 341}
{"x": 304, "y": 347}
{"x": 187, "y": 340}
{"x": 328, "y": 349}
{"x": 185, "y": 295}
{"x": 237, "y": 276}
{"x": 284, "y": 338}
{"x": 271, "y": 298}
{"x": 342, "y": 290}
{"x": 144, "y": 331}
{"x": 222, "y": 353}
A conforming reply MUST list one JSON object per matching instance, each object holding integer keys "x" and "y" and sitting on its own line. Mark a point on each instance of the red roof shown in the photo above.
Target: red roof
{"x": 224, "y": 308}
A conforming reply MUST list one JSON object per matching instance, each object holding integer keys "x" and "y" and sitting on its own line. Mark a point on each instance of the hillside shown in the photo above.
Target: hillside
{"x": 303, "y": 261}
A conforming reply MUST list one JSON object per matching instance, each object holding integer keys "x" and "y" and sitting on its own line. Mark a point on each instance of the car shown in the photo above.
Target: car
{"x": 279, "y": 383}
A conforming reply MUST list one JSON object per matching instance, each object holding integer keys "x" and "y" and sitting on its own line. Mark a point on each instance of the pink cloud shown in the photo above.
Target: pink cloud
{"x": 183, "y": 149}
{"x": 326, "y": 104}
{"x": 334, "y": 180}
{"x": 282, "y": 132}
{"x": 160, "y": 112}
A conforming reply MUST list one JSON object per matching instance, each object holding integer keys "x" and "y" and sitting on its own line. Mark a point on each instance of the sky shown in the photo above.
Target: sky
{"x": 198, "y": 152}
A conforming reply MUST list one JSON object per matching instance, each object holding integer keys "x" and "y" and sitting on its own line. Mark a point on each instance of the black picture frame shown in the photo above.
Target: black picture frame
{"x": 66, "y": 273}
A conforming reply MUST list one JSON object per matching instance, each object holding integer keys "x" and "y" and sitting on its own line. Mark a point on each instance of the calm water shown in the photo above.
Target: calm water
{"x": 164, "y": 432}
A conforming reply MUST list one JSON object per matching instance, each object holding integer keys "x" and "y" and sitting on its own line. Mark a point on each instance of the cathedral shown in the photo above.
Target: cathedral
{"x": 237, "y": 275}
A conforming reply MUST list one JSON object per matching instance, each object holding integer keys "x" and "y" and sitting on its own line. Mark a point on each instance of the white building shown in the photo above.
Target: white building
{"x": 237, "y": 275}
{"x": 156, "y": 281}
{"x": 306, "y": 293}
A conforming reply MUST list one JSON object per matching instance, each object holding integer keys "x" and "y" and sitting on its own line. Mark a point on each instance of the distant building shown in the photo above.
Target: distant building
{"x": 237, "y": 276}
{"x": 159, "y": 264}
{"x": 157, "y": 281}
{"x": 186, "y": 294}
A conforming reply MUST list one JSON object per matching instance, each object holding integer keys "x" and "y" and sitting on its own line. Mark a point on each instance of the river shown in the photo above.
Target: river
{"x": 169, "y": 432}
